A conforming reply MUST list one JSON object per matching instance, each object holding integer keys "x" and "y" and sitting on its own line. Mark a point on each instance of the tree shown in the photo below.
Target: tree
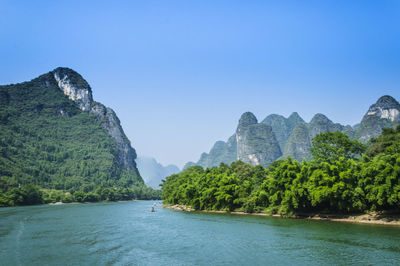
{"x": 388, "y": 142}
{"x": 330, "y": 146}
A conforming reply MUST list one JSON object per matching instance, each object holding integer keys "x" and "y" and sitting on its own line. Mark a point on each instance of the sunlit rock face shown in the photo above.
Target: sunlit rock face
{"x": 110, "y": 121}
{"x": 74, "y": 86}
{"x": 256, "y": 142}
{"x": 78, "y": 90}
{"x": 384, "y": 113}
{"x": 386, "y": 108}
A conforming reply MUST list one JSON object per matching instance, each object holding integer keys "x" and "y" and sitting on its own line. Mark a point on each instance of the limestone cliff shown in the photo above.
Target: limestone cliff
{"x": 283, "y": 127}
{"x": 111, "y": 123}
{"x": 384, "y": 113}
{"x": 256, "y": 142}
{"x": 221, "y": 152}
{"x": 321, "y": 124}
{"x": 73, "y": 85}
{"x": 298, "y": 144}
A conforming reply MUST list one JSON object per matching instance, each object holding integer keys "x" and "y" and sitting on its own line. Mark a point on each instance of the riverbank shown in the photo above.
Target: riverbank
{"x": 381, "y": 218}
{"x": 86, "y": 202}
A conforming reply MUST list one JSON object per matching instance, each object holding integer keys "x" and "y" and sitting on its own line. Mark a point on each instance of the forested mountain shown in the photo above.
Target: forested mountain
{"x": 277, "y": 137}
{"x": 53, "y": 136}
{"x": 153, "y": 172}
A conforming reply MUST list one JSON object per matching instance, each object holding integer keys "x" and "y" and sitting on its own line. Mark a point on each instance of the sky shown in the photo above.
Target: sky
{"x": 180, "y": 73}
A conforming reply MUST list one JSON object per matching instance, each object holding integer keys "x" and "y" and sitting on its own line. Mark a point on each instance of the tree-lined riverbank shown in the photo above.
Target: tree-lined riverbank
{"x": 382, "y": 218}
{"x": 344, "y": 177}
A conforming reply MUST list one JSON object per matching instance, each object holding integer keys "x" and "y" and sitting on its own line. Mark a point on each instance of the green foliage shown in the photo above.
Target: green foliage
{"x": 331, "y": 146}
{"x": 388, "y": 142}
{"x": 338, "y": 180}
{"x": 25, "y": 195}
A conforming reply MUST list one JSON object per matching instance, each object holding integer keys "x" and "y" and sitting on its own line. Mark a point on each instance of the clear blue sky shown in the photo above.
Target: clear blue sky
{"x": 180, "y": 73}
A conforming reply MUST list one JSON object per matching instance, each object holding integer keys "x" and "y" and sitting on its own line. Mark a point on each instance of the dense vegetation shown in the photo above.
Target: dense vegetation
{"x": 344, "y": 176}
{"x": 52, "y": 151}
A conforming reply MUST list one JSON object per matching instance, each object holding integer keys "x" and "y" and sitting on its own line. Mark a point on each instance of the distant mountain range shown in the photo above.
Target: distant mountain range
{"x": 153, "y": 172}
{"x": 278, "y": 137}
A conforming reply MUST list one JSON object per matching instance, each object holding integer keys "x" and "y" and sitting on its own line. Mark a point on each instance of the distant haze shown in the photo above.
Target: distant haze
{"x": 179, "y": 74}
{"x": 153, "y": 172}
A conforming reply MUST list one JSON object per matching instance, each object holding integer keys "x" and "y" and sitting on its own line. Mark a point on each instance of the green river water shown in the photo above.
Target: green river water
{"x": 127, "y": 233}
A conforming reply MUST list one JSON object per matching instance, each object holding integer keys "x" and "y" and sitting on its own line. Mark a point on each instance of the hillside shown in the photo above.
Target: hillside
{"x": 53, "y": 136}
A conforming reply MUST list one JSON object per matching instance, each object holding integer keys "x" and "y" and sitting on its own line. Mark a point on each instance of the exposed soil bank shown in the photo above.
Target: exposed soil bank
{"x": 382, "y": 218}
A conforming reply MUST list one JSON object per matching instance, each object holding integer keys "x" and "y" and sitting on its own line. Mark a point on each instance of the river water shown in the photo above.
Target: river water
{"x": 127, "y": 233}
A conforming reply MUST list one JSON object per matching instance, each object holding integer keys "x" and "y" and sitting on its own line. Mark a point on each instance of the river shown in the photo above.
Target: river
{"x": 127, "y": 233}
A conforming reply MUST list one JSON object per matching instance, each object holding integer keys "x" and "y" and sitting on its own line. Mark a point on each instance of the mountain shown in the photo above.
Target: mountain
{"x": 299, "y": 143}
{"x": 282, "y": 127}
{"x": 321, "y": 124}
{"x": 256, "y": 142}
{"x": 153, "y": 172}
{"x": 54, "y": 135}
{"x": 221, "y": 152}
{"x": 384, "y": 113}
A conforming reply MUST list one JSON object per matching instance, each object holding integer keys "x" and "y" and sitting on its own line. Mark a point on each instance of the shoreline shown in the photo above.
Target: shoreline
{"x": 86, "y": 202}
{"x": 362, "y": 218}
{"x": 75, "y": 202}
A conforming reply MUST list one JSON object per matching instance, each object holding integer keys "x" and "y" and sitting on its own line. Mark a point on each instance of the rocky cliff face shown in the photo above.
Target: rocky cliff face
{"x": 384, "y": 113}
{"x": 298, "y": 144}
{"x": 386, "y": 108}
{"x": 74, "y": 86}
{"x": 78, "y": 90}
{"x": 321, "y": 124}
{"x": 256, "y": 143}
{"x": 221, "y": 152}
{"x": 111, "y": 123}
{"x": 283, "y": 127}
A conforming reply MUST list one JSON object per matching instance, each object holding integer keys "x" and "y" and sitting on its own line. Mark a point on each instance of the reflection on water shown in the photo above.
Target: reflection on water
{"x": 129, "y": 233}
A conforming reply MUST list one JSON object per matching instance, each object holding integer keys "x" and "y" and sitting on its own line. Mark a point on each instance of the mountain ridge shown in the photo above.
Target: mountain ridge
{"x": 294, "y": 135}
